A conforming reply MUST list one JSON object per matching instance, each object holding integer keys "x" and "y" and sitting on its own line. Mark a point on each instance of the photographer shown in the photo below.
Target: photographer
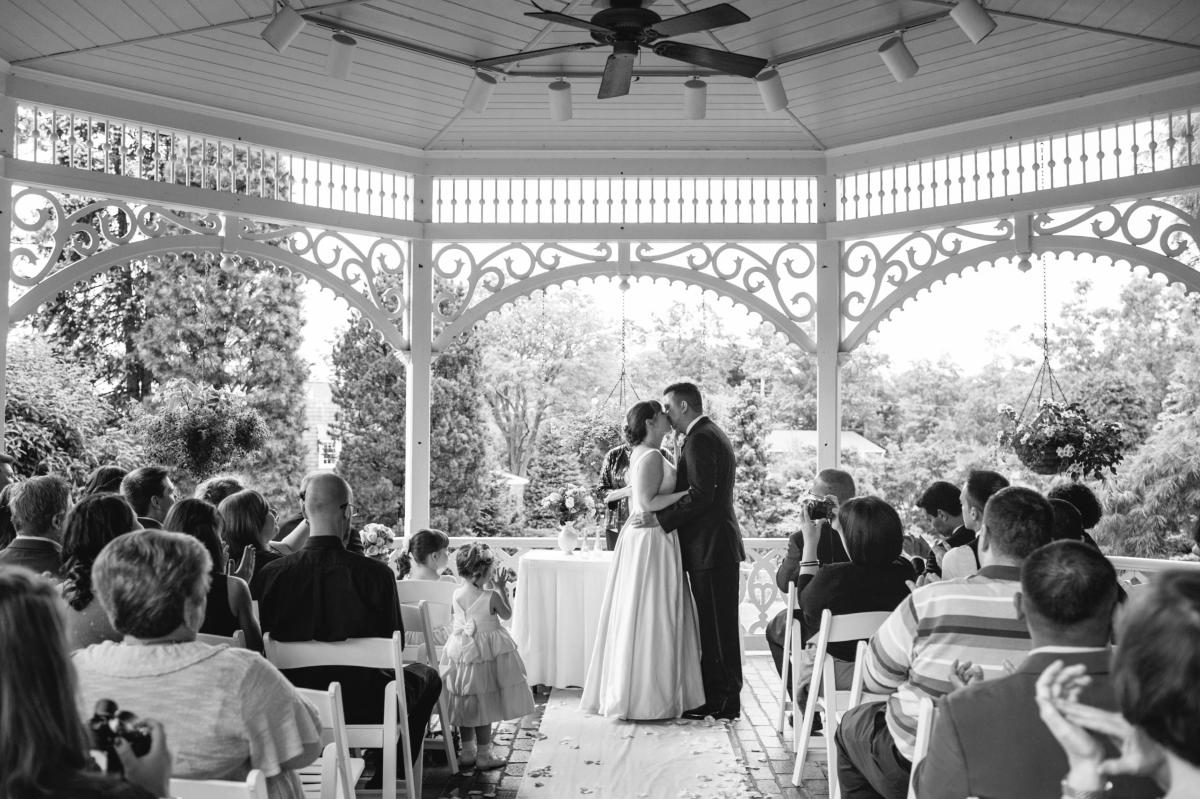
{"x": 43, "y": 745}
{"x": 827, "y": 547}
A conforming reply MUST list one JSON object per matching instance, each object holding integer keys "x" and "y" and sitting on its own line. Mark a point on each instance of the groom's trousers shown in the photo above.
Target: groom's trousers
{"x": 716, "y": 594}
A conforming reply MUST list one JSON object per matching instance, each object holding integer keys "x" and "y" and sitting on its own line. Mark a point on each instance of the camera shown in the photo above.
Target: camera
{"x": 818, "y": 509}
{"x": 107, "y": 725}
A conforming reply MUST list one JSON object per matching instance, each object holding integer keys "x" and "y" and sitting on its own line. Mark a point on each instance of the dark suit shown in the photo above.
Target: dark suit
{"x": 988, "y": 739}
{"x": 36, "y": 554}
{"x": 829, "y": 550}
{"x": 710, "y": 543}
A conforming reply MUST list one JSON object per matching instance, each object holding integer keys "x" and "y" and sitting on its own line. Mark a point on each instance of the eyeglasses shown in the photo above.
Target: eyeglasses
{"x": 350, "y": 505}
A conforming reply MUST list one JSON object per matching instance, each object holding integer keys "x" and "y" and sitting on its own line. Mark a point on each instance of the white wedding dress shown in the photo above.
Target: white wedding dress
{"x": 646, "y": 660}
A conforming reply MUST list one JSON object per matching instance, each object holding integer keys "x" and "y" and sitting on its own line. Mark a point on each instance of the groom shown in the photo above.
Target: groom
{"x": 710, "y": 544}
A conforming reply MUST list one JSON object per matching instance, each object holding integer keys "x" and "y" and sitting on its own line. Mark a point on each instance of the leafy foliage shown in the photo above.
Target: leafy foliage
{"x": 747, "y": 433}
{"x": 1061, "y": 437}
{"x": 200, "y": 430}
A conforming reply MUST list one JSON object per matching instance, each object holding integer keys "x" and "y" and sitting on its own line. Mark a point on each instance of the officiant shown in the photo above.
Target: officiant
{"x": 613, "y": 472}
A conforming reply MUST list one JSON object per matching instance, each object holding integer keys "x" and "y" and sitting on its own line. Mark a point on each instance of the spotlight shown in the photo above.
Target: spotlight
{"x": 479, "y": 93}
{"x": 695, "y": 99}
{"x": 341, "y": 55}
{"x": 974, "y": 20}
{"x": 283, "y": 28}
{"x": 770, "y": 87}
{"x": 898, "y": 60}
{"x": 560, "y": 100}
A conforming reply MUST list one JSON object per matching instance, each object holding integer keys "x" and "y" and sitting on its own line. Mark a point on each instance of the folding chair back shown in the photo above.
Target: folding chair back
{"x": 785, "y": 674}
{"x": 237, "y": 640}
{"x": 372, "y": 653}
{"x": 334, "y": 775}
{"x": 925, "y": 712}
{"x": 822, "y": 688}
{"x": 255, "y": 787}
{"x": 424, "y": 606}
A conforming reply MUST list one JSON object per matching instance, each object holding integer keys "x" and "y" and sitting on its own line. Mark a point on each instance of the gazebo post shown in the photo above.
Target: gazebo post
{"x": 829, "y": 333}
{"x": 8, "y": 140}
{"x": 418, "y": 375}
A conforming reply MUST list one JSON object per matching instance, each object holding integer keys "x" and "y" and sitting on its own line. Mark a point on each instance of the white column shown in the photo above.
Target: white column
{"x": 418, "y": 377}
{"x": 829, "y": 337}
{"x": 8, "y": 126}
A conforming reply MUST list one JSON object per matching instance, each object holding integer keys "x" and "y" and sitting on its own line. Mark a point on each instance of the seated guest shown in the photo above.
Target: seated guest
{"x": 964, "y": 559}
{"x": 942, "y": 503}
{"x": 39, "y": 505}
{"x": 226, "y": 710}
{"x": 150, "y": 491}
{"x": 970, "y": 619}
{"x": 228, "y": 606}
{"x": 104, "y": 480}
{"x": 7, "y": 531}
{"x": 43, "y": 745}
{"x": 91, "y": 524}
{"x": 215, "y": 489}
{"x": 875, "y": 578}
{"x": 8, "y": 466}
{"x": 1068, "y": 593}
{"x": 426, "y": 556}
{"x": 1068, "y": 525}
{"x": 1154, "y": 676}
{"x": 248, "y": 525}
{"x": 324, "y": 593}
{"x": 1085, "y": 501}
{"x": 829, "y": 482}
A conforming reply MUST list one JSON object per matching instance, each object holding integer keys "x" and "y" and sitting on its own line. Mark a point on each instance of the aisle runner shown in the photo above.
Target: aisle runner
{"x": 581, "y": 755}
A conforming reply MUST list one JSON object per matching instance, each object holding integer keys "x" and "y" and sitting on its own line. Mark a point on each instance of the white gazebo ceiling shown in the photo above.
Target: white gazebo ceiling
{"x": 838, "y": 89}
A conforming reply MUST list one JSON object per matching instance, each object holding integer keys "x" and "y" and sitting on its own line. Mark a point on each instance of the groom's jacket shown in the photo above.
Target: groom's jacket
{"x": 709, "y": 536}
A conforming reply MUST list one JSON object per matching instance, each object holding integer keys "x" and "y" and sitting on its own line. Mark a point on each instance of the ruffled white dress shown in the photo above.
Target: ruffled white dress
{"x": 483, "y": 676}
{"x": 646, "y": 660}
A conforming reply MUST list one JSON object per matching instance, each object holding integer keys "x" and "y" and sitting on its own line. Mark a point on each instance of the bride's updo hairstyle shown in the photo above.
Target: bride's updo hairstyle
{"x": 636, "y": 419}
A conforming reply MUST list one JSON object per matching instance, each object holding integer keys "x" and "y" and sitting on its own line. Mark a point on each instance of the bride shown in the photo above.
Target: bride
{"x": 646, "y": 660}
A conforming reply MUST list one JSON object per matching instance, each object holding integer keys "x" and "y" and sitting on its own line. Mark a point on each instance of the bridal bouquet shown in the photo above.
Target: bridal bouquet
{"x": 377, "y": 541}
{"x": 569, "y": 504}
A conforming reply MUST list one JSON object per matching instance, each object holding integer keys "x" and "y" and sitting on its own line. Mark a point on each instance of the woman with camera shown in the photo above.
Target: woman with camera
{"x": 43, "y": 745}
{"x": 875, "y": 578}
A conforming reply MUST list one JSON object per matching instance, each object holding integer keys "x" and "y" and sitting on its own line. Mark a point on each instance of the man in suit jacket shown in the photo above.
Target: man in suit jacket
{"x": 710, "y": 544}
{"x": 38, "y": 507}
{"x": 988, "y": 739}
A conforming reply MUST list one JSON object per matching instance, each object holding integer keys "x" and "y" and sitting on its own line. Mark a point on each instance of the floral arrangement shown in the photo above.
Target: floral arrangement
{"x": 569, "y": 504}
{"x": 1061, "y": 437}
{"x": 377, "y": 541}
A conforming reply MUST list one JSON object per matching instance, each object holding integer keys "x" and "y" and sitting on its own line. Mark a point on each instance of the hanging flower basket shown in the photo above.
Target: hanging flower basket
{"x": 200, "y": 429}
{"x": 1061, "y": 438}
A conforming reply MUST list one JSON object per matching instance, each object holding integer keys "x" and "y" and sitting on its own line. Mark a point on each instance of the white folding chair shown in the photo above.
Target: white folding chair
{"x": 237, "y": 640}
{"x": 371, "y": 653}
{"x": 822, "y": 688}
{"x": 255, "y": 787}
{"x": 424, "y": 604}
{"x": 786, "y": 672}
{"x": 334, "y": 775}
{"x": 925, "y": 712}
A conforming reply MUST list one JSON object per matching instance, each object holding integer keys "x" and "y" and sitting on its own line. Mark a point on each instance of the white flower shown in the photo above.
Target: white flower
{"x": 570, "y": 503}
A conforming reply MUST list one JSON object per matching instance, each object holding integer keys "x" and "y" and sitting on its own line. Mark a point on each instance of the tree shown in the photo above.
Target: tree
{"x": 461, "y": 459}
{"x": 747, "y": 433}
{"x": 554, "y": 466}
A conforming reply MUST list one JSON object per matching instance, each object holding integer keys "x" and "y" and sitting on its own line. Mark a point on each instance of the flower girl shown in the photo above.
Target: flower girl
{"x": 482, "y": 673}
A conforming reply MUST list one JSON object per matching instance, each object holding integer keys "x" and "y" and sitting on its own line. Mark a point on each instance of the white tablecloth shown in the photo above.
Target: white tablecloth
{"x": 556, "y": 613}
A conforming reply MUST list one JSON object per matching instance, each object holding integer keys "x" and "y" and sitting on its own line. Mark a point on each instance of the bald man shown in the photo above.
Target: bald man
{"x": 326, "y": 593}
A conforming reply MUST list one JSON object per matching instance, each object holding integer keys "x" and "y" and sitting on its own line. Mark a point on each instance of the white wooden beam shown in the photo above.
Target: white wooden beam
{"x": 578, "y": 231}
{"x": 829, "y": 338}
{"x": 8, "y": 127}
{"x": 419, "y": 373}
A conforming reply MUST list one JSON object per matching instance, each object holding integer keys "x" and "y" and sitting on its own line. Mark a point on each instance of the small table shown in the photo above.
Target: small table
{"x": 557, "y": 611}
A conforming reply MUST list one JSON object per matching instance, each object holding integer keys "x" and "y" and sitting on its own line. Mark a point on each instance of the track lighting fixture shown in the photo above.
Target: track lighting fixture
{"x": 898, "y": 59}
{"x": 770, "y": 87}
{"x": 695, "y": 99}
{"x": 341, "y": 55}
{"x": 479, "y": 93}
{"x": 560, "y": 100}
{"x": 974, "y": 20}
{"x": 283, "y": 28}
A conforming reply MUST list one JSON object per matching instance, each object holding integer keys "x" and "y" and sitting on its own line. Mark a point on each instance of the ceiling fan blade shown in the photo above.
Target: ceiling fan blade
{"x": 717, "y": 16}
{"x": 563, "y": 19}
{"x": 719, "y": 60}
{"x": 618, "y": 75}
{"x": 483, "y": 63}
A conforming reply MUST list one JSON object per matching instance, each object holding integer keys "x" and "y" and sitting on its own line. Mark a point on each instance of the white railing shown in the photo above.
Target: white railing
{"x": 1072, "y": 158}
{"x": 96, "y": 143}
{"x": 603, "y": 200}
{"x": 761, "y": 598}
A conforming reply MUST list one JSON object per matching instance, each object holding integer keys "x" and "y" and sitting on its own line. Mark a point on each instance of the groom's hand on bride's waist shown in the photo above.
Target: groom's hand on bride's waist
{"x": 643, "y": 519}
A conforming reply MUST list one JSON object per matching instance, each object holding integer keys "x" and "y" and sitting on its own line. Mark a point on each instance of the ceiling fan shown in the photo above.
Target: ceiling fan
{"x": 627, "y": 26}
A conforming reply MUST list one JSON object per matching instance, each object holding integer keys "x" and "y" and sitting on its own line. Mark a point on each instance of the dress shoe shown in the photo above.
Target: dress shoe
{"x": 702, "y": 712}
{"x": 727, "y": 714}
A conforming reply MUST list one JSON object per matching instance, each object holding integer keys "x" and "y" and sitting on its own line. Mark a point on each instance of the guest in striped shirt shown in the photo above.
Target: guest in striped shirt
{"x": 914, "y": 652}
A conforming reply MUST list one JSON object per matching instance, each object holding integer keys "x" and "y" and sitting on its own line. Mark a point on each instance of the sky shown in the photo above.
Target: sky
{"x": 961, "y": 320}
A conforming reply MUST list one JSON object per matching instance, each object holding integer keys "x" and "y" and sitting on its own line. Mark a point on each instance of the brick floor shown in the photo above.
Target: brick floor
{"x": 766, "y": 755}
